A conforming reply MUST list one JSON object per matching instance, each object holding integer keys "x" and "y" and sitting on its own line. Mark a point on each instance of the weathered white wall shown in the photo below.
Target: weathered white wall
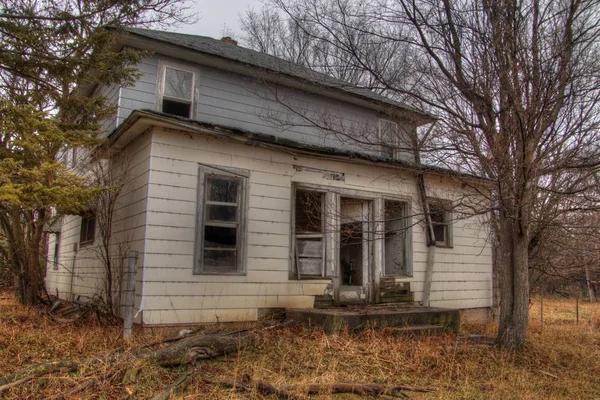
{"x": 172, "y": 294}
{"x": 80, "y": 272}
{"x": 237, "y": 101}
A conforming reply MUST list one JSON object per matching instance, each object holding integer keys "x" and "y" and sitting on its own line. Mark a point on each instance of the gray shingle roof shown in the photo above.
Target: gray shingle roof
{"x": 254, "y": 58}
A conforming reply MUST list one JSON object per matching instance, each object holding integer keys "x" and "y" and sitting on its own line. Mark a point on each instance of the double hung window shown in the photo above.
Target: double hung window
{"x": 178, "y": 92}
{"x": 221, "y": 221}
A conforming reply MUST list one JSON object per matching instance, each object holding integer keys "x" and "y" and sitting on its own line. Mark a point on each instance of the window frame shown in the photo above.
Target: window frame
{"x": 383, "y": 149}
{"x": 87, "y": 241}
{"x": 295, "y": 273}
{"x": 408, "y": 239}
{"x": 205, "y": 171}
{"x": 163, "y": 65}
{"x": 444, "y": 206}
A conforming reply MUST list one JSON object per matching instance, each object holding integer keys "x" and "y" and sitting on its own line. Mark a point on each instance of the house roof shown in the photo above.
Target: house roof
{"x": 229, "y": 51}
{"x": 156, "y": 118}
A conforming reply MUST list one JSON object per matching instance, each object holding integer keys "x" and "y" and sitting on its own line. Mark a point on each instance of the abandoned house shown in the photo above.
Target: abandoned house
{"x": 255, "y": 184}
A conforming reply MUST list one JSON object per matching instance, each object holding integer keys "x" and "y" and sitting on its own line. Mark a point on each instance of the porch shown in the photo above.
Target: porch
{"x": 398, "y": 318}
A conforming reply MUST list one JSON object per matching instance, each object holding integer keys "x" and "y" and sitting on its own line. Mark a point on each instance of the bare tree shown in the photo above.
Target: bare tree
{"x": 516, "y": 89}
{"x": 110, "y": 172}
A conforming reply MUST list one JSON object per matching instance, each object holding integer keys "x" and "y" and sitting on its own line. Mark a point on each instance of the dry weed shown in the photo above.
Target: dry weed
{"x": 562, "y": 359}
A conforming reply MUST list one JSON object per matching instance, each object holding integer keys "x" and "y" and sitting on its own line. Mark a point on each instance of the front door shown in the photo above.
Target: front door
{"x": 354, "y": 250}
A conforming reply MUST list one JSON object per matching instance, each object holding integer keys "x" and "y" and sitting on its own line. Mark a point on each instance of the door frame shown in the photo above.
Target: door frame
{"x": 376, "y": 234}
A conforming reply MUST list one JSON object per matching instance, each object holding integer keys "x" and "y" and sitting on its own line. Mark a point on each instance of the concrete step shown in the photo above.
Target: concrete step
{"x": 415, "y": 330}
{"x": 356, "y": 319}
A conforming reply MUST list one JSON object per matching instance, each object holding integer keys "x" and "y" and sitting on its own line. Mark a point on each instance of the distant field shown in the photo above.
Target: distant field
{"x": 562, "y": 360}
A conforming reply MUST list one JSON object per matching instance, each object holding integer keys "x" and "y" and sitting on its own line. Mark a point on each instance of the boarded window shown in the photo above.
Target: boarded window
{"x": 88, "y": 227}
{"x": 220, "y": 221}
{"x": 178, "y": 89}
{"x": 309, "y": 237}
{"x": 395, "y": 238}
{"x": 441, "y": 221}
{"x": 388, "y": 138}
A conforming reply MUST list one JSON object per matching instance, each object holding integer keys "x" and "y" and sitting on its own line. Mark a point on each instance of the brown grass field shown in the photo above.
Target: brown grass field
{"x": 562, "y": 360}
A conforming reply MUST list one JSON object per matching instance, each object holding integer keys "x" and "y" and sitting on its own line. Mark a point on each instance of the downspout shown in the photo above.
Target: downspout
{"x": 128, "y": 316}
{"x": 430, "y": 236}
{"x": 431, "y": 245}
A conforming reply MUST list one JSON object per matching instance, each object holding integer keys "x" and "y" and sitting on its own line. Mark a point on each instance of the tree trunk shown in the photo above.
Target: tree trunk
{"x": 514, "y": 284}
{"x": 588, "y": 281}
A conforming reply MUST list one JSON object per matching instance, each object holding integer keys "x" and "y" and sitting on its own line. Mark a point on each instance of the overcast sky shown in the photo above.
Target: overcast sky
{"x": 215, "y": 15}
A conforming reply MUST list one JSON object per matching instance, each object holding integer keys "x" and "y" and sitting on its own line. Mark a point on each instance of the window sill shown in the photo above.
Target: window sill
{"x": 221, "y": 273}
{"x": 444, "y": 246}
{"x": 311, "y": 278}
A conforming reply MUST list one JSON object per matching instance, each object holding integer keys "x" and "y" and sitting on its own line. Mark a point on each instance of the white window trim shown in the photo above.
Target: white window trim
{"x": 241, "y": 246}
{"x": 383, "y": 149}
{"x": 160, "y": 84}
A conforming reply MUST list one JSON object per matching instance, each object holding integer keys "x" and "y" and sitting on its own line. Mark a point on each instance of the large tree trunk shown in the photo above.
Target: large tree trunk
{"x": 514, "y": 284}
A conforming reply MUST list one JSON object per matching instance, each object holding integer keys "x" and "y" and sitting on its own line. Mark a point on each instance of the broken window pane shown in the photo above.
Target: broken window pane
{"x": 222, "y": 189}
{"x": 178, "y": 83}
{"x": 309, "y": 211}
{"x": 219, "y": 237}
{"x": 395, "y": 238}
{"x": 176, "y": 108}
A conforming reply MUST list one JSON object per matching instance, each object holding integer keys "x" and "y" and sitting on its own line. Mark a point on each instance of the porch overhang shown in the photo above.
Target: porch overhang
{"x": 140, "y": 121}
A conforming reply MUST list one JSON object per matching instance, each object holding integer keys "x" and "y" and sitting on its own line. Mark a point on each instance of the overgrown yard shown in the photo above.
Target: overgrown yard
{"x": 560, "y": 361}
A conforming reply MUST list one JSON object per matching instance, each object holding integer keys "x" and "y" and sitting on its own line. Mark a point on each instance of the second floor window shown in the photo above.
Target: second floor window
{"x": 178, "y": 92}
{"x": 388, "y": 138}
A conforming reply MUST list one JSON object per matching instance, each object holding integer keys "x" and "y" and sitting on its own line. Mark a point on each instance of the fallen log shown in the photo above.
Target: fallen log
{"x": 245, "y": 384}
{"x": 361, "y": 389}
{"x": 15, "y": 383}
{"x": 40, "y": 369}
{"x": 200, "y": 347}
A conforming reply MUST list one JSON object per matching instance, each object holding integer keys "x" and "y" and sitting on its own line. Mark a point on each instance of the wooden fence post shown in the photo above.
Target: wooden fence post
{"x": 542, "y": 307}
{"x": 577, "y": 308}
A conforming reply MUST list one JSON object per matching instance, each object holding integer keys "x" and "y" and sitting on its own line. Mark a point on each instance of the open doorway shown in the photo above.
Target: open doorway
{"x": 354, "y": 249}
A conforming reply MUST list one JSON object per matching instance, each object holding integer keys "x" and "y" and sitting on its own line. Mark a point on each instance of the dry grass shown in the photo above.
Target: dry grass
{"x": 562, "y": 361}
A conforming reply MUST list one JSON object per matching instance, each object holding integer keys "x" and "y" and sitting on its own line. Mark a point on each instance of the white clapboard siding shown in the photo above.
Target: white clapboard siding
{"x": 173, "y": 293}
{"x": 80, "y": 273}
{"x": 240, "y": 102}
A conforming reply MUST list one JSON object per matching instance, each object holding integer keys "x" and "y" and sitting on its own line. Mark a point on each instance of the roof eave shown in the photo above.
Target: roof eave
{"x": 129, "y": 130}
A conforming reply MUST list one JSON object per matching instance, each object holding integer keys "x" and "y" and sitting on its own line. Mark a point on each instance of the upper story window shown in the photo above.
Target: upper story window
{"x": 178, "y": 92}
{"x": 388, "y": 138}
